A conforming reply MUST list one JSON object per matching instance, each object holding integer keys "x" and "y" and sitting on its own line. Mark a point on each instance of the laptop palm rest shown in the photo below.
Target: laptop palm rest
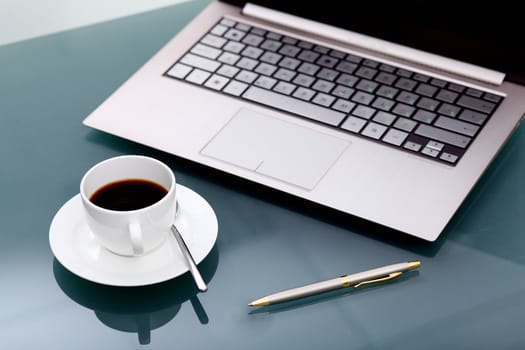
{"x": 275, "y": 148}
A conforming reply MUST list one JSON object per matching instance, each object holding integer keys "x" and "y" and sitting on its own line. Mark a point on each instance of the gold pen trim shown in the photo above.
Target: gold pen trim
{"x": 412, "y": 265}
{"x": 260, "y": 302}
{"x": 345, "y": 281}
{"x": 382, "y": 279}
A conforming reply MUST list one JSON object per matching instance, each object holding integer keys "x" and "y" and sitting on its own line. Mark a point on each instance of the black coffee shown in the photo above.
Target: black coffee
{"x": 130, "y": 194}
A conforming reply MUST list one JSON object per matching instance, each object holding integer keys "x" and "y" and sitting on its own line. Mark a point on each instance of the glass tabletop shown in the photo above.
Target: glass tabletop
{"x": 468, "y": 293}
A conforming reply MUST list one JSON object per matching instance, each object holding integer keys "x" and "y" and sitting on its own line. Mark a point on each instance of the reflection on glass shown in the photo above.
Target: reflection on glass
{"x": 137, "y": 309}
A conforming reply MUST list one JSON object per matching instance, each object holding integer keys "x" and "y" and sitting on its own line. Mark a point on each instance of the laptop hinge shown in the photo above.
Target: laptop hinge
{"x": 377, "y": 45}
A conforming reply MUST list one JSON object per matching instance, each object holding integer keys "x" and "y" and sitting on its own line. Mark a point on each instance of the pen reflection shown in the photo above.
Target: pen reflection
{"x": 332, "y": 295}
{"x": 137, "y": 309}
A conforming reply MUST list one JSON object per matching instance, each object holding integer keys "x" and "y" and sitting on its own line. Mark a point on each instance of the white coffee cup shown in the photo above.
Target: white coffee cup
{"x": 129, "y": 231}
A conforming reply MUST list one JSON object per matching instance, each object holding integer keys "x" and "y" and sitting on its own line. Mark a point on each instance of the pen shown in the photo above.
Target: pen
{"x": 376, "y": 275}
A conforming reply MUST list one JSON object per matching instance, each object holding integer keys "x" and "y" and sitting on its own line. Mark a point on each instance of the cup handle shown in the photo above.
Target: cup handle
{"x": 135, "y": 234}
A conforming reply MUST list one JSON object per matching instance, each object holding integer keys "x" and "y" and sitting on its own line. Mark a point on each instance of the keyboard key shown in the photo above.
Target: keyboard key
{"x": 364, "y": 112}
{"x": 304, "y": 93}
{"x": 346, "y": 79}
{"x": 289, "y": 63}
{"x": 289, "y": 50}
{"x": 449, "y": 110}
{"x": 413, "y": 146}
{"x": 271, "y": 57}
{"x": 384, "y": 118}
{"x": 252, "y": 39}
{"x": 383, "y": 104}
{"x": 295, "y": 106}
{"x": 216, "y": 82}
{"x": 327, "y": 61}
{"x": 323, "y": 86}
{"x": 197, "y": 76}
{"x": 374, "y": 130}
{"x": 219, "y": 30}
{"x": 271, "y": 45}
{"x": 366, "y": 85}
{"x": 492, "y": 97}
{"x": 200, "y": 62}
{"x": 309, "y": 56}
{"x": 304, "y": 80}
{"x": 284, "y": 88}
{"x": 179, "y": 71}
{"x": 438, "y": 146}
{"x": 346, "y": 67}
{"x": 421, "y": 77}
{"x": 438, "y": 82}
{"x": 265, "y": 82}
{"x": 252, "y": 52}
{"x": 457, "y": 126}
{"x": 234, "y": 34}
{"x": 229, "y": 58}
{"x": 213, "y": 40}
{"x": 476, "y": 104}
{"x": 430, "y": 152}
{"x": 442, "y": 135}
{"x": 235, "y": 88}
{"x": 387, "y": 91}
{"x": 228, "y": 71}
{"x": 247, "y": 63}
{"x": 404, "y": 73}
{"x": 284, "y": 74}
{"x": 474, "y": 92}
{"x": 407, "y": 97}
{"x": 343, "y": 105}
{"x": 446, "y": 96}
{"x": 246, "y": 76}
{"x": 308, "y": 68}
{"x": 456, "y": 87}
{"x": 353, "y": 124}
{"x": 424, "y": 116}
{"x": 366, "y": 72}
{"x": 405, "y": 124}
{"x": 406, "y": 84}
{"x": 426, "y": 90}
{"x": 327, "y": 74}
{"x": 323, "y": 99}
{"x": 343, "y": 91}
{"x": 234, "y": 47}
{"x": 448, "y": 157}
{"x": 370, "y": 63}
{"x": 266, "y": 69}
{"x": 386, "y": 78}
{"x": 362, "y": 97}
{"x": 473, "y": 117}
{"x": 403, "y": 110}
{"x": 428, "y": 103}
{"x": 395, "y": 137}
{"x": 206, "y": 51}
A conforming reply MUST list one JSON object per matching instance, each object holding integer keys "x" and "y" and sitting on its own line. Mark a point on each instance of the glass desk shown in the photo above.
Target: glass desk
{"x": 468, "y": 294}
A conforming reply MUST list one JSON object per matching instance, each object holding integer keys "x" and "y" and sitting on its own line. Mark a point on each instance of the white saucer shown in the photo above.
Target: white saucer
{"x": 77, "y": 249}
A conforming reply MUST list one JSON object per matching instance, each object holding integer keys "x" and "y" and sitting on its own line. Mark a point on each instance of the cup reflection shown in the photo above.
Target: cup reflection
{"x": 137, "y": 309}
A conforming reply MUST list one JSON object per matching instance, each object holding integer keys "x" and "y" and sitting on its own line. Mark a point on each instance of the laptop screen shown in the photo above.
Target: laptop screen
{"x": 488, "y": 36}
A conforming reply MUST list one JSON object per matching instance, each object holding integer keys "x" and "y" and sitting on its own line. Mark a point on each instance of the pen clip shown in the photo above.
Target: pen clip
{"x": 381, "y": 279}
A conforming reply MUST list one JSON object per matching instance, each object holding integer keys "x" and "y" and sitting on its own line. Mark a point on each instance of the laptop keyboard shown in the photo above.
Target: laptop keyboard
{"x": 397, "y": 107}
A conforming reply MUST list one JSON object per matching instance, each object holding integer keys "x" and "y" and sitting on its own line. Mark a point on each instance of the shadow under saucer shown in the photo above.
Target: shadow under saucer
{"x": 137, "y": 309}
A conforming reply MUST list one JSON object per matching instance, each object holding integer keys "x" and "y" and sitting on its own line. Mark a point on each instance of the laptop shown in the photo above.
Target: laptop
{"x": 377, "y": 113}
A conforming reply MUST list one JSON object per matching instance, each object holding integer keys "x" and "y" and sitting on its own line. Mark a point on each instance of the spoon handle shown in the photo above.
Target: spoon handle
{"x": 199, "y": 281}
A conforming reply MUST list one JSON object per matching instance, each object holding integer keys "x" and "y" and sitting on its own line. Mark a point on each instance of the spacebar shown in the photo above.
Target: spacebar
{"x": 293, "y": 105}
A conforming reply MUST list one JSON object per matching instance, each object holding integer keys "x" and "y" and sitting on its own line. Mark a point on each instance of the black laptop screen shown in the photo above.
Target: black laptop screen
{"x": 489, "y": 36}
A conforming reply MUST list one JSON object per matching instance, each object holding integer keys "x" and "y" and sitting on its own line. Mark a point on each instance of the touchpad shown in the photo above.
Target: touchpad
{"x": 276, "y": 148}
